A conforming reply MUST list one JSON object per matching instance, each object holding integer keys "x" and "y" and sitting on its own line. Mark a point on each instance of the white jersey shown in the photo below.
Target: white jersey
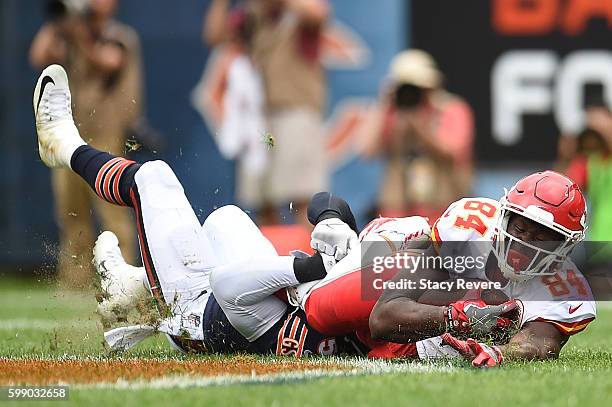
{"x": 563, "y": 299}
{"x": 399, "y": 233}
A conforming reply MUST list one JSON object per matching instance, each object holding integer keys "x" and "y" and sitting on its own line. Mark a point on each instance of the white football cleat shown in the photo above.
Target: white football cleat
{"x": 58, "y": 136}
{"x": 122, "y": 284}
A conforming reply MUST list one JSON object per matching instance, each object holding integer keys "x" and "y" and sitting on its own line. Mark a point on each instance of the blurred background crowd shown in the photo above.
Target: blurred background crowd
{"x": 399, "y": 106}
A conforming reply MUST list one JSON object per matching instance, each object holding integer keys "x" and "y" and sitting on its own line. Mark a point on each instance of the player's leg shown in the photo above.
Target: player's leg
{"x": 121, "y": 222}
{"x": 174, "y": 255}
{"x": 250, "y": 272}
{"x": 233, "y": 236}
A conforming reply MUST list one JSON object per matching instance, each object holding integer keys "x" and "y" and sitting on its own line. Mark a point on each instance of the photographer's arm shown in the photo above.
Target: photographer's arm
{"x": 48, "y": 47}
{"x": 311, "y": 12}
{"x": 214, "y": 27}
{"x": 421, "y": 127}
{"x": 454, "y": 125}
{"x": 376, "y": 125}
{"x": 107, "y": 56}
{"x": 370, "y": 139}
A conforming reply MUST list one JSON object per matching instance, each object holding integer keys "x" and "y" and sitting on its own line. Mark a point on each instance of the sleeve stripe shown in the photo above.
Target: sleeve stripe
{"x": 390, "y": 244}
{"x": 435, "y": 236}
{"x": 569, "y": 328}
{"x": 373, "y": 225}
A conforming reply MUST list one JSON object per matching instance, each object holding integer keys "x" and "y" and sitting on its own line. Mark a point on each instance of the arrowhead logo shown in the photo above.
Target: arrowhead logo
{"x": 574, "y": 309}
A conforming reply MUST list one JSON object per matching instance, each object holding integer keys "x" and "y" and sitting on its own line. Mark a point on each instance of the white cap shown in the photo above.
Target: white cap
{"x": 415, "y": 67}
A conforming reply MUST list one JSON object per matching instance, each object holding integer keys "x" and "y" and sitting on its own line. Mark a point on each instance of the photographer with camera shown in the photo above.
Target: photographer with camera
{"x": 286, "y": 48}
{"x": 426, "y": 136}
{"x": 102, "y": 57}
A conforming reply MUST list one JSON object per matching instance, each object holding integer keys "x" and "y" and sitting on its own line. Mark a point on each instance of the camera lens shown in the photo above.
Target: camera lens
{"x": 408, "y": 96}
{"x": 55, "y": 9}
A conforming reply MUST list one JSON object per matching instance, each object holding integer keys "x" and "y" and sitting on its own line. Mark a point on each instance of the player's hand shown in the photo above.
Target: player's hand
{"x": 476, "y": 318}
{"x": 334, "y": 238}
{"x": 479, "y": 354}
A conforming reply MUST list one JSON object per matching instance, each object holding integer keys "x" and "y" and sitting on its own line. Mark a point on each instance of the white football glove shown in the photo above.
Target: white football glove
{"x": 334, "y": 238}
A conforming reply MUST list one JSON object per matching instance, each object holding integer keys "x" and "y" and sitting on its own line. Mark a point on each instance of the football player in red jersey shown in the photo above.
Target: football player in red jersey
{"x": 526, "y": 238}
{"x": 533, "y": 229}
{"x": 341, "y": 303}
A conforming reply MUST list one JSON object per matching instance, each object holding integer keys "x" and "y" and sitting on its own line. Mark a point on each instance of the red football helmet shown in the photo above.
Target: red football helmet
{"x": 552, "y": 200}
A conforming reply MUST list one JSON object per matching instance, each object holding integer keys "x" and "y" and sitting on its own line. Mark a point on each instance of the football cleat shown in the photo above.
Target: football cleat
{"x": 296, "y": 296}
{"x": 122, "y": 285}
{"x": 58, "y": 136}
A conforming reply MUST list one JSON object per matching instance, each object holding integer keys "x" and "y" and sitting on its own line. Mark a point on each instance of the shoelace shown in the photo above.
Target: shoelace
{"x": 110, "y": 282}
{"x": 58, "y": 104}
{"x": 113, "y": 258}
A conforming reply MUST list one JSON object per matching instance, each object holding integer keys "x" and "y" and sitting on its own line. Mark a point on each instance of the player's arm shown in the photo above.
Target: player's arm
{"x": 535, "y": 341}
{"x": 549, "y": 324}
{"x": 403, "y": 320}
{"x": 398, "y": 317}
{"x": 325, "y": 205}
{"x": 335, "y": 229}
{"x": 402, "y": 316}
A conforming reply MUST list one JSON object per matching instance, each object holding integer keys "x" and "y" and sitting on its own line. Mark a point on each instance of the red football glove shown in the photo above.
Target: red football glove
{"x": 479, "y": 354}
{"x": 478, "y": 318}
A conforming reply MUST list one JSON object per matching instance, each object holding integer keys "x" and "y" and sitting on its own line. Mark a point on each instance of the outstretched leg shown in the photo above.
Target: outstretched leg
{"x": 249, "y": 272}
{"x": 177, "y": 260}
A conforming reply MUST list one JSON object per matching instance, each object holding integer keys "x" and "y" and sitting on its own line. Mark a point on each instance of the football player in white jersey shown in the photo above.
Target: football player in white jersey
{"x": 526, "y": 239}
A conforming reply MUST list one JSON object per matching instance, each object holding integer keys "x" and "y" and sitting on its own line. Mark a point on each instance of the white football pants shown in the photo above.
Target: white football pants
{"x": 227, "y": 255}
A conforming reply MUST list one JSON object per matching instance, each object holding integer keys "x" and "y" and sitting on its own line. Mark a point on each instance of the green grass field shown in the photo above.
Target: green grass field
{"x": 37, "y": 321}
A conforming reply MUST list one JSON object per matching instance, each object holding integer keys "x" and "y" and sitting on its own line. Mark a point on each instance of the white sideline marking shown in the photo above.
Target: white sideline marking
{"x": 359, "y": 368}
{"x": 44, "y": 324}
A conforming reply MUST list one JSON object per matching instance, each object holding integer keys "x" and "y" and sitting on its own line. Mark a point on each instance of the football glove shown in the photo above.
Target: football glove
{"x": 476, "y": 318}
{"x": 479, "y": 354}
{"x": 334, "y": 238}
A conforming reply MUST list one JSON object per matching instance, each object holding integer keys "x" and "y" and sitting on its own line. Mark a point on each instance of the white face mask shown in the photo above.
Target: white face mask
{"x": 519, "y": 260}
